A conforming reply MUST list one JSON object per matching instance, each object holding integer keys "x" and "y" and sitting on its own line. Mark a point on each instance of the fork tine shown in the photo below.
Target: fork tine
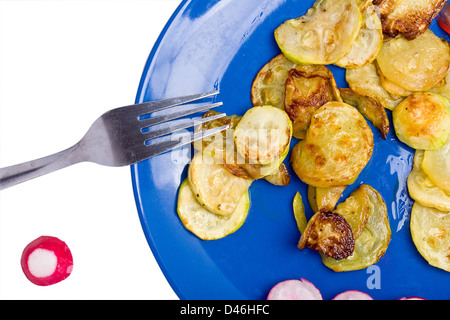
{"x": 159, "y": 105}
{"x": 178, "y": 114}
{"x": 167, "y": 145}
{"x": 174, "y": 128}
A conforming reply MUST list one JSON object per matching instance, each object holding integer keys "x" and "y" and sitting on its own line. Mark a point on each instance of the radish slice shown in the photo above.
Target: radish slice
{"x": 46, "y": 260}
{"x": 353, "y": 295}
{"x": 443, "y": 19}
{"x": 294, "y": 290}
{"x": 412, "y": 298}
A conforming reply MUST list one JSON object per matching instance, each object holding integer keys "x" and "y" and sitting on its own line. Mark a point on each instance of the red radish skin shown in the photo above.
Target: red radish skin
{"x": 353, "y": 295}
{"x": 411, "y": 298}
{"x": 443, "y": 18}
{"x": 46, "y": 261}
{"x": 294, "y": 290}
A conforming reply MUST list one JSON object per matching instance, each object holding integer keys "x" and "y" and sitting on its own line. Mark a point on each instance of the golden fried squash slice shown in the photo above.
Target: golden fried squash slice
{"x": 215, "y": 188}
{"x": 281, "y": 177}
{"x": 444, "y": 89}
{"x": 263, "y": 134}
{"x": 299, "y": 212}
{"x": 436, "y": 164}
{"x": 269, "y": 84}
{"x": 221, "y": 147}
{"x": 394, "y": 89}
{"x": 323, "y": 35}
{"x": 330, "y": 234}
{"x": 312, "y": 199}
{"x": 415, "y": 65}
{"x": 373, "y": 241}
{"x": 367, "y": 82}
{"x": 422, "y": 121}
{"x": 275, "y": 171}
{"x": 205, "y": 224}
{"x": 324, "y": 199}
{"x": 369, "y": 108}
{"x": 337, "y": 147}
{"x": 368, "y": 42}
{"x": 423, "y": 190}
{"x": 430, "y": 231}
{"x": 406, "y": 17}
{"x": 356, "y": 209}
{"x": 203, "y": 144}
{"x": 307, "y": 88}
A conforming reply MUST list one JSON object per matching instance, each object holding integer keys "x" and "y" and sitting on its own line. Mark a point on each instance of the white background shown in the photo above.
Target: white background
{"x": 62, "y": 64}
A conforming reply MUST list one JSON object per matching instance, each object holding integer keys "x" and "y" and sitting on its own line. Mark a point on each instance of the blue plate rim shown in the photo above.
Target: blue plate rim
{"x": 133, "y": 168}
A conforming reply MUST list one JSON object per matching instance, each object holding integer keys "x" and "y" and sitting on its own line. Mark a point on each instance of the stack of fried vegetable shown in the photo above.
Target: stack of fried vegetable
{"x": 392, "y": 61}
{"x": 213, "y": 201}
{"x": 336, "y": 143}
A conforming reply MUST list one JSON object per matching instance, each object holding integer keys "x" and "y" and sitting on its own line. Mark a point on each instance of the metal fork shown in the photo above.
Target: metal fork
{"x": 121, "y": 137}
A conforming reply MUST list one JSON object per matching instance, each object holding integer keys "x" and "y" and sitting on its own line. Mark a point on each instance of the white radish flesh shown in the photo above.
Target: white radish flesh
{"x": 353, "y": 295}
{"x": 294, "y": 290}
{"x": 42, "y": 263}
{"x": 46, "y": 260}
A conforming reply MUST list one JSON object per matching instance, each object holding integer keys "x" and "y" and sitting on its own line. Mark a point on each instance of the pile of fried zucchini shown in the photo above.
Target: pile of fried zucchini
{"x": 392, "y": 61}
{"x": 213, "y": 201}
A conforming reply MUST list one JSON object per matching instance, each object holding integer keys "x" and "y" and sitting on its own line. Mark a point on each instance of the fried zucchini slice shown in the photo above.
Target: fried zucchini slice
{"x": 221, "y": 147}
{"x": 324, "y": 199}
{"x": 422, "y": 121}
{"x": 330, "y": 234}
{"x": 436, "y": 164}
{"x": 281, "y": 177}
{"x": 367, "y": 82}
{"x": 328, "y": 197}
{"x": 444, "y": 89}
{"x": 241, "y": 167}
{"x": 394, "y": 89}
{"x": 373, "y": 241}
{"x": 308, "y": 87}
{"x": 337, "y": 147}
{"x": 430, "y": 231}
{"x": 367, "y": 44}
{"x": 369, "y": 108}
{"x": 269, "y": 84}
{"x": 423, "y": 190}
{"x": 312, "y": 199}
{"x": 215, "y": 188}
{"x": 410, "y": 18}
{"x": 415, "y": 65}
{"x": 202, "y": 144}
{"x": 356, "y": 209}
{"x": 263, "y": 134}
{"x": 205, "y": 224}
{"x": 323, "y": 35}
{"x": 299, "y": 212}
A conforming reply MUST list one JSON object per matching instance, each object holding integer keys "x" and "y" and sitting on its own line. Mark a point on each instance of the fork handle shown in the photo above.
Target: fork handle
{"x": 15, "y": 174}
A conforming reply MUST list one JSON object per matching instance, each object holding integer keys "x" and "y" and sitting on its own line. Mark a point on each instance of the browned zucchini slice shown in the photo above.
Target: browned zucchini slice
{"x": 308, "y": 87}
{"x": 330, "y": 234}
{"x": 337, "y": 147}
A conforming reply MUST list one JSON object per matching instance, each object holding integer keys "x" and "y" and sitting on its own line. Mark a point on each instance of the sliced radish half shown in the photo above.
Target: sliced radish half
{"x": 411, "y": 298}
{"x": 294, "y": 290}
{"x": 46, "y": 260}
{"x": 353, "y": 295}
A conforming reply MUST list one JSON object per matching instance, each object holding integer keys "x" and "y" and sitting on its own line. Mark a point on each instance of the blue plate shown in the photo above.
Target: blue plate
{"x": 212, "y": 44}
